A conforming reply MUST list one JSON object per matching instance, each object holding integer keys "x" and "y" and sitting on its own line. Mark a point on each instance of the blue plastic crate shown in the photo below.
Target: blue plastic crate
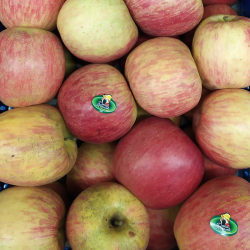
{"x": 245, "y": 8}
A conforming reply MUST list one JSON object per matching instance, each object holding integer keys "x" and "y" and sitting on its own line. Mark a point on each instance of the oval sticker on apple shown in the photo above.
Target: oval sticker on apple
{"x": 104, "y": 103}
{"x": 224, "y": 225}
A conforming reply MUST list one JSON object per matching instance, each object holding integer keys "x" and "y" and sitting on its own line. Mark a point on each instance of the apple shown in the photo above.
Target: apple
{"x": 226, "y": 197}
{"x": 162, "y": 228}
{"x": 221, "y": 127}
{"x": 165, "y": 18}
{"x": 40, "y": 14}
{"x": 61, "y": 190}
{"x": 213, "y": 170}
{"x": 71, "y": 64}
{"x": 36, "y": 146}
{"x": 32, "y": 66}
{"x": 94, "y": 164}
{"x": 31, "y": 218}
{"x": 189, "y": 115}
{"x": 209, "y": 10}
{"x": 229, "y": 2}
{"x": 84, "y": 98}
{"x": 107, "y": 29}
{"x": 163, "y": 77}
{"x": 221, "y": 52}
{"x": 107, "y": 216}
{"x": 158, "y": 163}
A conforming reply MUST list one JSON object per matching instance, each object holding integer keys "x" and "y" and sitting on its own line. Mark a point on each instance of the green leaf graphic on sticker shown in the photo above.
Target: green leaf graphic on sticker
{"x": 104, "y": 103}
{"x": 224, "y": 225}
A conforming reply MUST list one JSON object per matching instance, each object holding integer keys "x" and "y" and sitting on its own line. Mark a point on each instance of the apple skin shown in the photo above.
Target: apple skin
{"x": 216, "y": 55}
{"x": 227, "y": 194}
{"x": 113, "y": 29}
{"x": 210, "y": 10}
{"x": 75, "y": 102}
{"x": 32, "y": 218}
{"x": 165, "y": 18}
{"x": 61, "y": 190}
{"x": 71, "y": 64}
{"x": 32, "y": 66}
{"x": 40, "y": 14}
{"x": 36, "y": 146}
{"x": 211, "y": 2}
{"x": 158, "y": 163}
{"x": 221, "y": 126}
{"x": 94, "y": 164}
{"x": 163, "y": 77}
{"x": 90, "y": 219}
{"x": 162, "y": 228}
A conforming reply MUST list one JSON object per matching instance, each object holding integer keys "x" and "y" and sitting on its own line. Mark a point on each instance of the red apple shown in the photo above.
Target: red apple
{"x": 61, "y": 190}
{"x": 94, "y": 164}
{"x": 163, "y": 77}
{"x": 158, "y": 163}
{"x": 32, "y": 66}
{"x": 82, "y": 100}
{"x": 31, "y": 218}
{"x": 97, "y": 31}
{"x": 226, "y": 198}
{"x": 107, "y": 216}
{"x": 210, "y": 10}
{"x": 221, "y": 127}
{"x": 221, "y": 48}
{"x": 213, "y": 170}
{"x": 165, "y": 18}
{"x": 40, "y": 14}
{"x": 229, "y": 2}
{"x": 162, "y": 228}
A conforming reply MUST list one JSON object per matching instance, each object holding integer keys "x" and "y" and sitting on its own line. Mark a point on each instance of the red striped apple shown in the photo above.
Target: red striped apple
{"x": 162, "y": 228}
{"x": 200, "y": 223}
{"x": 165, "y": 18}
{"x": 94, "y": 164}
{"x": 229, "y": 2}
{"x": 221, "y": 127}
{"x": 163, "y": 77}
{"x": 158, "y": 163}
{"x": 32, "y": 66}
{"x": 107, "y": 216}
{"x": 107, "y": 29}
{"x": 97, "y": 104}
{"x": 40, "y": 14}
{"x": 221, "y": 48}
{"x": 31, "y": 218}
{"x": 209, "y": 10}
{"x": 36, "y": 146}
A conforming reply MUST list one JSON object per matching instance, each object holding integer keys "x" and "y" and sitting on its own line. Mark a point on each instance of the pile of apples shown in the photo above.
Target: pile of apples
{"x": 142, "y": 148}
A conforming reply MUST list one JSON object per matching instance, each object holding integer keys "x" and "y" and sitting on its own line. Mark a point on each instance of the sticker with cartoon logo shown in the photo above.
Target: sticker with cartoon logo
{"x": 104, "y": 103}
{"x": 224, "y": 225}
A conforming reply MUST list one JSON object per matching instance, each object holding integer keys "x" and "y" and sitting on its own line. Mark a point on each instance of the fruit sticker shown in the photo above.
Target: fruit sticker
{"x": 104, "y": 103}
{"x": 224, "y": 225}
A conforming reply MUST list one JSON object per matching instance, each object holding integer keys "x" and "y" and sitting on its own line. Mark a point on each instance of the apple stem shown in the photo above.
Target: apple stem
{"x": 118, "y": 223}
{"x": 225, "y": 18}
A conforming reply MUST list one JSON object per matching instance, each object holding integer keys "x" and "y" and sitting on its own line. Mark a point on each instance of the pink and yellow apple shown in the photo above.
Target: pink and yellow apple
{"x": 221, "y": 48}
{"x": 165, "y": 18}
{"x": 31, "y": 218}
{"x": 89, "y": 123}
{"x": 94, "y": 164}
{"x": 107, "y": 216}
{"x": 40, "y": 14}
{"x": 107, "y": 29}
{"x": 211, "y": 2}
{"x": 163, "y": 77}
{"x": 32, "y": 66}
{"x": 36, "y": 146}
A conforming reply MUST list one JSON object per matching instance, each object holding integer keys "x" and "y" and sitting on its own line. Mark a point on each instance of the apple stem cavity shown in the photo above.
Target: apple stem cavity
{"x": 225, "y": 18}
{"x": 118, "y": 223}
